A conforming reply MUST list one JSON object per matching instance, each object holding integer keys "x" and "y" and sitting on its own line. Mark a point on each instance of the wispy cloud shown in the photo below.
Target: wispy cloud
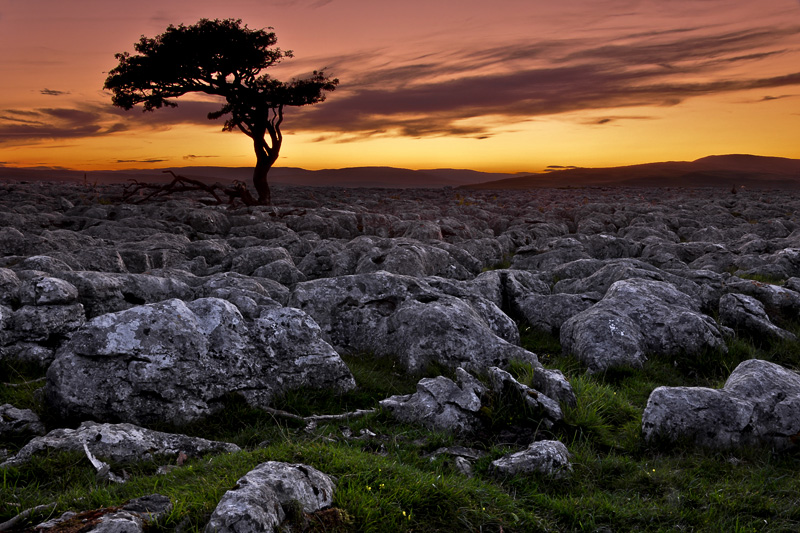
{"x": 439, "y": 95}
{"x": 152, "y": 160}
{"x": 53, "y": 92}
{"x": 85, "y": 120}
{"x": 475, "y": 92}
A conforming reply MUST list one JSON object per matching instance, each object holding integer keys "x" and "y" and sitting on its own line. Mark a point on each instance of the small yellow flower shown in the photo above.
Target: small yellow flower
{"x": 369, "y": 488}
{"x": 381, "y": 486}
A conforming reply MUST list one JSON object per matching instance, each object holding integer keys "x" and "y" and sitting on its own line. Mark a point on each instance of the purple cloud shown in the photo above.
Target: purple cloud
{"x": 471, "y": 91}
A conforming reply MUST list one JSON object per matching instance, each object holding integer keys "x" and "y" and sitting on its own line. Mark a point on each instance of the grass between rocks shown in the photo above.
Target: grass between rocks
{"x": 386, "y": 480}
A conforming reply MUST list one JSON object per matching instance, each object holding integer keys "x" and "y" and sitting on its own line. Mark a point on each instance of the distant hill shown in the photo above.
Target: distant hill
{"x": 388, "y": 177}
{"x": 737, "y": 170}
{"x": 734, "y": 170}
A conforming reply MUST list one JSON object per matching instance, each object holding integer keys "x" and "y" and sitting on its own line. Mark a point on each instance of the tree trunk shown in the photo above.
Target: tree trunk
{"x": 260, "y": 182}
{"x": 265, "y": 158}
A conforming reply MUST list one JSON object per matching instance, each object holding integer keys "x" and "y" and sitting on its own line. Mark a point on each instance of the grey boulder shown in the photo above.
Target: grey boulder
{"x": 175, "y": 362}
{"x": 637, "y": 316}
{"x": 406, "y": 318}
{"x": 261, "y": 497}
{"x": 747, "y": 315}
{"x": 16, "y": 422}
{"x": 440, "y": 403}
{"x": 759, "y": 405}
{"x": 547, "y": 457}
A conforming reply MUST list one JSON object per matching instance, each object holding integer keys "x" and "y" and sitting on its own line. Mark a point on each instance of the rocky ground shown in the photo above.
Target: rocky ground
{"x": 155, "y": 313}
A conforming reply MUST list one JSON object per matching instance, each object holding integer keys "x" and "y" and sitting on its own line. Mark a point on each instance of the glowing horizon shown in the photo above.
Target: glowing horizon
{"x": 512, "y": 87}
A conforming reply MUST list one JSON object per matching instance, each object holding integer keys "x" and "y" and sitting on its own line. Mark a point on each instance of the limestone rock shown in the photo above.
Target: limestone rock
{"x": 408, "y": 319}
{"x": 121, "y": 443}
{"x": 16, "y": 422}
{"x": 637, "y": 316}
{"x": 746, "y": 314}
{"x": 175, "y": 362}
{"x": 131, "y": 517}
{"x": 548, "y": 457}
{"x": 440, "y": 403}
{"x": 759, "y": 405}
{"x": 258, "y": 500}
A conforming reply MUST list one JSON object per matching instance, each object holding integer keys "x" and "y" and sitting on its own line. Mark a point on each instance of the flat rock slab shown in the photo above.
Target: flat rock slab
{"x": 121, "y": 443}
{"x": 131, "y": 517}
{"x": 758, "y": 406}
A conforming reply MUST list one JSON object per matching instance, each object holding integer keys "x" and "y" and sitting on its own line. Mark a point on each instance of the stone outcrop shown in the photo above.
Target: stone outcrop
{"x": 747, "y": 315}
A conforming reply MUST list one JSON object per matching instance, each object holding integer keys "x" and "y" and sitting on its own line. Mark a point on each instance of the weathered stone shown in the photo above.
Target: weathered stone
{"x": 45, "y": 322}
{"x": 440, "y": 403}
{"x": 540, "y": 405}
{"x": 258, "y": 500}
{"x": 747, "y": 315}
{"x": 131, "y": 517}
{"x": 47, "y": 291}
{"x": 547, "y": 457}
{"x": 16, "y": 422}
{"x": 9, "y": 287}
{"x": 102, "y": 293}
{"x": 283, "y": 271}
{"x": 406, "y": 318}
{"x": 758, "y": 406}
{"x": 635, "y": 317}
{"x": 175, "y": 362}
{"x": 121, "y": 443}
{"x": 547, "y": 312}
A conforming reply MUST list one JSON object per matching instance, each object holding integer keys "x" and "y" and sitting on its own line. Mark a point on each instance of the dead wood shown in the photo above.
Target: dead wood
{"x": 139, "y": 192}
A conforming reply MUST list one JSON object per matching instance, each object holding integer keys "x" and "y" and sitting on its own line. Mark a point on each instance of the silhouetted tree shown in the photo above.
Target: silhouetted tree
{"x": 221, "y": 58}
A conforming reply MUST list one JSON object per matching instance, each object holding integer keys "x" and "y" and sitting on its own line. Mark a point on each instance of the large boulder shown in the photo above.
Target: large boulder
{"x": 175, "y": 362}
{"x": 759, "y": 405}
{"x": 261, "y": 498}
{"x": 636, "y": 317}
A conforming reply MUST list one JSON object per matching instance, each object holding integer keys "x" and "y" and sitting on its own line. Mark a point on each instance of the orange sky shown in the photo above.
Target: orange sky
{"x": 509, "y": 85}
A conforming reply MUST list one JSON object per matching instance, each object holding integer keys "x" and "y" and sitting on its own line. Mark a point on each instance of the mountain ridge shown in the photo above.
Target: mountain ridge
{"x": 728, "y": 170}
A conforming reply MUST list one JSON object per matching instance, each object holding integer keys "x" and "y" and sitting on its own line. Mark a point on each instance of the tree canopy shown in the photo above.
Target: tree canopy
{"x": 222, "y": 58}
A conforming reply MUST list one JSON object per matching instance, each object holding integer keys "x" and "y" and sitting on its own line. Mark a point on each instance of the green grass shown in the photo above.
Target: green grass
{"x": 388, "y": 482}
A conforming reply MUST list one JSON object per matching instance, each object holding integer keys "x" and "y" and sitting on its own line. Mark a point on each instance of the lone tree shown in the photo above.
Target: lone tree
{"x": 221, "y": 58}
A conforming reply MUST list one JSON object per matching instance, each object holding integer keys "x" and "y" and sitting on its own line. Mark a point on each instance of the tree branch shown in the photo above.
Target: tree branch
{"x": 183, "y": 184}
{"x": 24, "y": 515}
{"x": 319, "y": 418}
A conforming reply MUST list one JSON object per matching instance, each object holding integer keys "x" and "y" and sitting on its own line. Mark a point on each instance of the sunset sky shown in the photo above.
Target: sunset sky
{"x": 503, "y": 86}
